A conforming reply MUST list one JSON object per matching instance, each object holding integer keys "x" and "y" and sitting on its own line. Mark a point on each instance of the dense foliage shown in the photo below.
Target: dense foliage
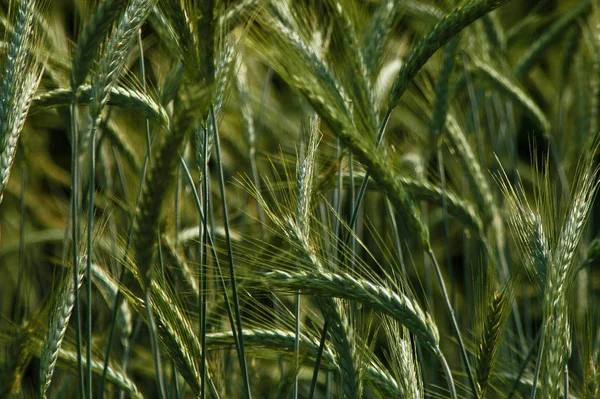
{"x": 299, "y": 199}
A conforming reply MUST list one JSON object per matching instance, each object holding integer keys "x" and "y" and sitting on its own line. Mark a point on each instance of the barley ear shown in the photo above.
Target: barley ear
{"x": 402, "y": 308}
{"x": 20, "y": 78}
{"x": 441, "y": 34}
{"x": 119, "y": 96}
{"x": 91, "y": 37}
{"x": 59, "y": 321}
{"x": 491, "y": 337}
{"x": 160, "y": 179}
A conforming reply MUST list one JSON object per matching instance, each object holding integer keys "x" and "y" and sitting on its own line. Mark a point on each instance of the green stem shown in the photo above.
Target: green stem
{"x": 313, "y": 383}
{"x": 448, "y": 374}
{"x": 154, "y": 345}
{"x": 75, "y": 236}
{"x": 234, "y": 291}
{"x": 461, "y": 344}
{"x": 538, "y": 362}
{"x": 363, "y": 185}
{"x": 90, "y": 230}
{"x": 204, "y": 264}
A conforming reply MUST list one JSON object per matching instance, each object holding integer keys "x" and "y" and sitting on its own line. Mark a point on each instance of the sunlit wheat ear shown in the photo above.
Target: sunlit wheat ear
{"x": 341, "y": 332}
{"x": 222, "y": 78}
{"x": 238, "y": 13}
{"x": 322, "y": 283}
{"x": 403, "y": 359}
{"x": 60, "y": 314}
{"x": 305, "y": 174}
{"x": 20, "y": 78}
{"x": 52, "y": 348}
{"x": 548, "y": 240}
{"x": 560, "y": 274}
{"x": 377, "y": 36}
{"x": 530, "y": 234}
{"x": 360, "y": 86}
{"x": 283, "y": 341}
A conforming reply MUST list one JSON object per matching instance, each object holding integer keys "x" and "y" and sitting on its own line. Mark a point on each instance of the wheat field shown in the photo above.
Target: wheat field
{"x": 299, "y": 199}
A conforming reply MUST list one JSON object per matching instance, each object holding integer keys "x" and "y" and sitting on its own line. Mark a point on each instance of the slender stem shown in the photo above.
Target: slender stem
{"x": 440, "y": 159}
{"x": 566, "y": 382}
{"x": 154, "y": 345}
{"x": 313, "y": 383}
{"x": 75, "y": 236}
{"x": 363, "y": 185}
{"x": 296, "y": 343}
{"x": 213, "y": 247}
{"x": 174, "y": 379}
{"x": 19, "y": 307}
{"x": 396, "y": 235}
{"x": 524, "y": 366}
{"x": 538, "y": 362}
{"x": 123, "y": 271}
{"x": 204, "y": 263}
{"x": 461, "y": 344}
{"x": 234, "y": 291}
{"x": 90, "y": 231}
{"x": 257, "y": 133}
{"x": 448, "y": 374}
{"x": 339, "y": 190}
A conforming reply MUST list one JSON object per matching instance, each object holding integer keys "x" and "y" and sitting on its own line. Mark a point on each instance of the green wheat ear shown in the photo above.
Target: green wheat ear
{"x": 17, "y": 89}
{"x": 441, "y": 34}
{"x": 91, "y": 37}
